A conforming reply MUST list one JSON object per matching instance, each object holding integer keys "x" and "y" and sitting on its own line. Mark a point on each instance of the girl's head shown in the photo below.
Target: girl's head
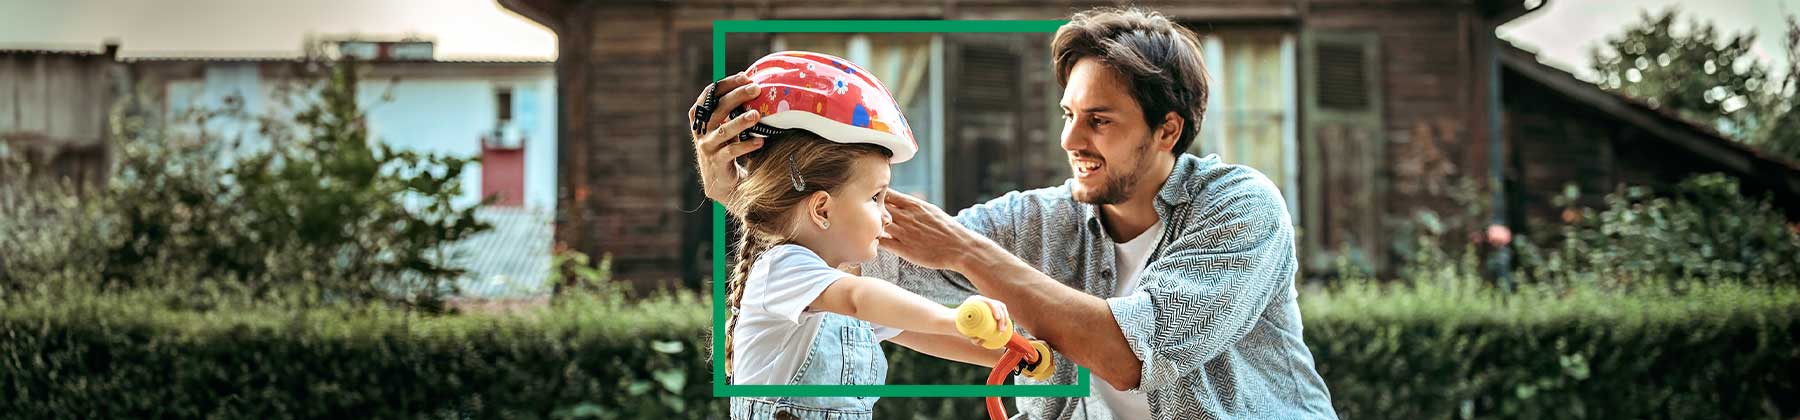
{"x": 823, "y": 195}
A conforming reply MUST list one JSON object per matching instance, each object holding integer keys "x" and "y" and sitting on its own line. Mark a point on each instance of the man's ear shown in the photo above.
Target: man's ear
{"x": 1169, "y": 131}
{"x": 818, "y": 208}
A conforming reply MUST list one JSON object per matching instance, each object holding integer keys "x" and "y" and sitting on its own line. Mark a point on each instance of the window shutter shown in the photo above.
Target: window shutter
{"x": 983, "y": 118}
{"x": 1342, "y": 146}
{"x": 989, "y": 77}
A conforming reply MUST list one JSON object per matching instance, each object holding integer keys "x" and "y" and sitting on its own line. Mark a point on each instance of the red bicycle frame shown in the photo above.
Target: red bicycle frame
{"x": 1029, "y": 357}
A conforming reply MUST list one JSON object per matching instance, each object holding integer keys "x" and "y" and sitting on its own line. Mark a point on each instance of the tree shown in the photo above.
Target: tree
{"x": 374, "y": 219}
{"x": 1698, "y": 75}
{"x": 1705, "y": 77}
{"x": 1782, "y": 136}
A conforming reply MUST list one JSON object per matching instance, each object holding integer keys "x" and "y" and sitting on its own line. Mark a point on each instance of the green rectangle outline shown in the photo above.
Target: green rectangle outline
{"x": 723, "y": 389}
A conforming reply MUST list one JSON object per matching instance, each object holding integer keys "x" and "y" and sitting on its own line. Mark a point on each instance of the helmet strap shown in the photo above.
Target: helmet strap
{"x": 703, "y": 113}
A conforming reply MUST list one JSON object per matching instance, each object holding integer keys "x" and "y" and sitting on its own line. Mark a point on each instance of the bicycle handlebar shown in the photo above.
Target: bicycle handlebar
{"x": 1028, "y": 357}
{"x": 976, "y": 320}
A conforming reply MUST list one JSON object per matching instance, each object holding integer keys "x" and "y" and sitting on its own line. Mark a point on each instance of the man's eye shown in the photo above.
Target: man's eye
{"x": 1066, "y": 116}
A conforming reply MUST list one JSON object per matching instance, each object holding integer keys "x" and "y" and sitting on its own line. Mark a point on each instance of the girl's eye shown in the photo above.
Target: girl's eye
{"x": 1066, "y": 116}
{"x": 877, "y": 197}
{"x": 1100, "y": 122}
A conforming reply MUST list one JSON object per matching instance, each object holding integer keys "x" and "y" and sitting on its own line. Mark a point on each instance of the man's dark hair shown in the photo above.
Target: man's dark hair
{"x": 1160, "y": 58}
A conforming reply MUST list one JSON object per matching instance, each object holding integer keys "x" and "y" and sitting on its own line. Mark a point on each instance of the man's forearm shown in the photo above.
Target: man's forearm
{"x": 1069, "y": 320}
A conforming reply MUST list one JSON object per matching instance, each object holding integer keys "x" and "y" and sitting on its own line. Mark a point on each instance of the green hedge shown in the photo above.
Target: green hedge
{"x": 1715, "y": 352}
{"x": 124, "y": 358}
{"x": 1722, "y": 352}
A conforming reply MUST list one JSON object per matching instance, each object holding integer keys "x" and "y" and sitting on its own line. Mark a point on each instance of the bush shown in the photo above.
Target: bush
{"x": 127, "y": 355}
{"x": 1721, "y": 351}
{"x": 1703, "y": 229}
{"x": 45, "y": 226}
{"x": 589, "y": 356}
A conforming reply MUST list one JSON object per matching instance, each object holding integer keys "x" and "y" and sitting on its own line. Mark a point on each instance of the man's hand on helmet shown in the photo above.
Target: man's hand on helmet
{"x": 716, "y": 143}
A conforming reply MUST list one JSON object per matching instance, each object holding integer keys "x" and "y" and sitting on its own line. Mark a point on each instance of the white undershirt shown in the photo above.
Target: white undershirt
{"x": 1129, "y": 259}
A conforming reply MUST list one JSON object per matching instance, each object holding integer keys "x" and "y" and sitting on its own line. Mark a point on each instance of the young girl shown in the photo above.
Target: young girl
{"x": 811, "y": 200}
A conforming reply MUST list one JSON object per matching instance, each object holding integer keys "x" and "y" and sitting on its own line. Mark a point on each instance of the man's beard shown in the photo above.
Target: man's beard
{"x": 1119, "y": 185}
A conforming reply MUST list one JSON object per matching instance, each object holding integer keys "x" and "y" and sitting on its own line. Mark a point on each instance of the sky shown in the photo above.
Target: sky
{"x": 1563, "y": 32}
{"x": 461, "y": 28}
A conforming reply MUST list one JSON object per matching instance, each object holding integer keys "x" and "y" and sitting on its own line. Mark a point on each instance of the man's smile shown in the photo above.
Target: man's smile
{"x": 1085, "y": 167}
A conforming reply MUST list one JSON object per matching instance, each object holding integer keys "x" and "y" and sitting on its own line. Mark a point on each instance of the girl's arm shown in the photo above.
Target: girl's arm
{"x": 884, "y": 303}
{"x": 956, "y": 348}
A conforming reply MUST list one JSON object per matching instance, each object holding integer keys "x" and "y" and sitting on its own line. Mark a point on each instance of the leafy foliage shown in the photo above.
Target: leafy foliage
{"x": 1458, "y": 350}
{"x": 1418, "y": 351}
{"x": 323, "y": 210}
{"x": 1703, "y": 230}
{"x": 1707, "y": 77}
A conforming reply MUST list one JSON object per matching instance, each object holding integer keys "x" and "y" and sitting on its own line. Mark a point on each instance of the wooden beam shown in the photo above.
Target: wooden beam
{"x": 544, "y": 12}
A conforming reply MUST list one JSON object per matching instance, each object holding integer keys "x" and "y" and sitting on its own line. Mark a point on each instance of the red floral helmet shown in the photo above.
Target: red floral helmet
{"x": 828, "y": 96}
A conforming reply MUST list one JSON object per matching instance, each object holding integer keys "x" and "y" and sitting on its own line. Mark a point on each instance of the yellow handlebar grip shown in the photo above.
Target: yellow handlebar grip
{"x": 976, "y": 320}
{"x": 1046, "y": 363}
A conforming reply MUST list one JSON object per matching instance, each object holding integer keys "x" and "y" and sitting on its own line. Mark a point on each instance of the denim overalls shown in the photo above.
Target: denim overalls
{"x": 843, "y": 352}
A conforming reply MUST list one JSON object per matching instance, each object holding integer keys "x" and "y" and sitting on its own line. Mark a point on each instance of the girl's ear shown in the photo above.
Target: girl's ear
{"x": 818, "y": 209}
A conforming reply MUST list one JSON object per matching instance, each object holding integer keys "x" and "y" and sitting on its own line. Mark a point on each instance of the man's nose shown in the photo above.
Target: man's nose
{"x": 1074, "y": 137}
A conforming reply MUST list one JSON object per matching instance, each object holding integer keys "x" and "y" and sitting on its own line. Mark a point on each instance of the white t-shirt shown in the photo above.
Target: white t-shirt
{"x": 1129, "y": 258}
{"x": 774, "y": 327}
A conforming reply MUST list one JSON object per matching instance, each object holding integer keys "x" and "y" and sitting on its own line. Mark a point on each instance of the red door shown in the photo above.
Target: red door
{"x": 503, "y": 173}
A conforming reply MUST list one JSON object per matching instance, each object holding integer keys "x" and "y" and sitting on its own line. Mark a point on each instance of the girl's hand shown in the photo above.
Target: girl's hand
{"x": 1004, "y": 321}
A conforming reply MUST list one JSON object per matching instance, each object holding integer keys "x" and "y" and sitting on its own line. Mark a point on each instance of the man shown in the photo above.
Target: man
{"x": 1169, "y": 276}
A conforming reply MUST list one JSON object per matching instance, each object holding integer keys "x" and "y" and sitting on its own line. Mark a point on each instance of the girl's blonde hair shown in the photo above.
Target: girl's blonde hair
{"x": 781, "y": 175}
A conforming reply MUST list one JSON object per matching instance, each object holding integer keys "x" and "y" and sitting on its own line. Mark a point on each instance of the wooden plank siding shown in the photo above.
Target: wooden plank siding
{"x": 54, "y": 107}
{"x": 627, "y": 74}
{"x": 1432, "y": 127}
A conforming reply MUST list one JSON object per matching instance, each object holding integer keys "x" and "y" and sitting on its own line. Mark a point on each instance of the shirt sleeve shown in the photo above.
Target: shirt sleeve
{"x": 1213, "y": 283}
{"x": 786, "y": 280}
{"x": 885, "y": 333}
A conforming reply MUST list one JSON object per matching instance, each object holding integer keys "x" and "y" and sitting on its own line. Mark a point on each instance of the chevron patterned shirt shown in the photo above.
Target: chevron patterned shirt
{"x": 1214, "y": 320}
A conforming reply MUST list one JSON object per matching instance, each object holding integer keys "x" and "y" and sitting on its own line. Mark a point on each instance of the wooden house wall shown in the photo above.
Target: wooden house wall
{"x": 627, "y": 72}
{"x": 54, "y": 109}
{"x": 1554, "y": 141}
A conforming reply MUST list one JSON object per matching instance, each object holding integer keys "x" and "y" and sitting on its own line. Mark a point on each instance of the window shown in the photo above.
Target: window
{"x": 1250, "y": 114}
{"x": 503, "y": 104}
